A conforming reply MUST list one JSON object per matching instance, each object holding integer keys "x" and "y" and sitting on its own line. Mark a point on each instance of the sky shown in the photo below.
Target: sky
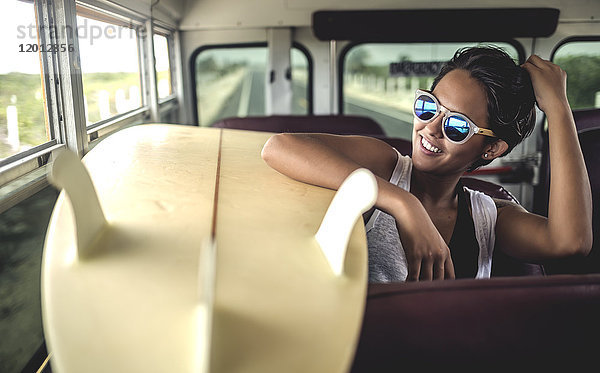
{"x": 103, "y": 47}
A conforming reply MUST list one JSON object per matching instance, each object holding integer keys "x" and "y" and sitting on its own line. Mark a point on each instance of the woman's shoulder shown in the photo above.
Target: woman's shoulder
{"x": 378, "y": 155}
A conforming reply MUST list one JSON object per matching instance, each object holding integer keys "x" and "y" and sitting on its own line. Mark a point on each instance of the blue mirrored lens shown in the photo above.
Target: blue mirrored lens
{"x": 456, "y": 128}
{"x": 425, "y": 107}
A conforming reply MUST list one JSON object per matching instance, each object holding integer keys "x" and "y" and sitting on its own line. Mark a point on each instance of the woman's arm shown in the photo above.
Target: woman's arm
{"x": 326, "y": 160}
{"x": 568, "y": 228}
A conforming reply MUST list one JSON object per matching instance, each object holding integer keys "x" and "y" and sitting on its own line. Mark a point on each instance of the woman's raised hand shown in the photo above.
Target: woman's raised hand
{"x": 549, "y": 83}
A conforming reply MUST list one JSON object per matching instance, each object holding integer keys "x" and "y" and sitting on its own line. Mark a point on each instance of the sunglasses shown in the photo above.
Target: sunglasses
{"x": 457, "y": 128}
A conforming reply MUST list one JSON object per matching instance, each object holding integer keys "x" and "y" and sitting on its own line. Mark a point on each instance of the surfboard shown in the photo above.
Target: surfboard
{"x": 207, "y": 261}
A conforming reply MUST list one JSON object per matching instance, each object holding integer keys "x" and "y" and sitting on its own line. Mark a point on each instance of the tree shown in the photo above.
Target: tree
{"x": 583, "y": 79}
{"x": 356, "y": 62}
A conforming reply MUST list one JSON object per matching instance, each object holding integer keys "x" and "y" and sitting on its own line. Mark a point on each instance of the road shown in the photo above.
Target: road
{"x": 248, "y": 99}
{"x": 394, "y": 122}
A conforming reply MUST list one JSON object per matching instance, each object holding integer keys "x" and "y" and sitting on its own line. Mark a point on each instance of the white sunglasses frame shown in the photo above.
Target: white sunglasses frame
{"x": 473, "y": 129}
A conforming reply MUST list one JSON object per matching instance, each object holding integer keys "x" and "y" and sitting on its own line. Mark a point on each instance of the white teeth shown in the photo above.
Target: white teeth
{"x": 427, "y": 145}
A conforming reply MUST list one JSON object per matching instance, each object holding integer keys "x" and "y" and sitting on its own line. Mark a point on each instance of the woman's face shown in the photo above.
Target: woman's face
{"x": 458, "y": 92}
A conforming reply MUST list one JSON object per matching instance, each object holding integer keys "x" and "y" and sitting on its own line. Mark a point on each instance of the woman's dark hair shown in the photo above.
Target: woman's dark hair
{"x": 510, "y": 95}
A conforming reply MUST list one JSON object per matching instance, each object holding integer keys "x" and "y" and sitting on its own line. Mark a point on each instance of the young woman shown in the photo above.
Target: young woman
{"x": 427, "y": 226}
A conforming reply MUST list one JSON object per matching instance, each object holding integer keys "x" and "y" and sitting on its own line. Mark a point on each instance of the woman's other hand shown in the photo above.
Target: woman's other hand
{"x": 427, "y": 255}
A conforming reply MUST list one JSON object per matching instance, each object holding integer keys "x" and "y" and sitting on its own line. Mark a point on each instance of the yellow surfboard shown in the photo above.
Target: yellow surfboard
{"x": 207, "y": 261}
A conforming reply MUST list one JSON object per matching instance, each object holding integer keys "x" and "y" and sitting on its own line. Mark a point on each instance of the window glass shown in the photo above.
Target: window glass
{"x": 300, "y": 79}
{"x": 379, "y": 80}
{"x": 230, "y": 82}
{"x": 23, "y": 122}
{"x": 110, "y": 68}
{"x": 581, "y": 61}
{"x": 162, "y": 65}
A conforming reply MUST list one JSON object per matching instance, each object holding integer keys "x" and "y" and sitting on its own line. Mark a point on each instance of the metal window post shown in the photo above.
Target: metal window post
{"x": 70, "y": 82}
{"x": 333, "y": 78}
{"x": 148, "y": 70}
{"x": 279, "y": 72}
{"x": 177, "y": 73}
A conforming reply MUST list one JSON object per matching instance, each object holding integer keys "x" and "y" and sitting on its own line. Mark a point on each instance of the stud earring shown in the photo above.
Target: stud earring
{"x": 485, "y": 155}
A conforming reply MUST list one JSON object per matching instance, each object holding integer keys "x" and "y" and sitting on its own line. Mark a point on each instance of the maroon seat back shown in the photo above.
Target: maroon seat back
{"x": 503, "y": 264}
{"x": 589, "y": 141}
{"x": 587, "y": 119}
{"x": 590, "y": 146}
{"x": 334, "y": 124}
{"x": 498, "y": 324}
{"x": 491, "y": 189}
{"x": 588, "y": 128}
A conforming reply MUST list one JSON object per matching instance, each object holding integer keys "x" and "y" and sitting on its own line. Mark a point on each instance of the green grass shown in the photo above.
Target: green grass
{"x": 31, "y": 117}
{"x": 111, "y": 82}
{"x": 583, "y": 79}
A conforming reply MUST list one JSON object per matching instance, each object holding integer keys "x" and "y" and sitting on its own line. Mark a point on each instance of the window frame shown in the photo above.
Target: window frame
{"x": 348, "y": 47}
{"x": 24, "y": 174}
{"x": 197, "y": 51}
{"x": 169, "y": 35}
{"x": 572, "y": 39}
{"x": 107, "y": 15}
{"x": 309, "y": 66}
{"x": 23, "y": 163}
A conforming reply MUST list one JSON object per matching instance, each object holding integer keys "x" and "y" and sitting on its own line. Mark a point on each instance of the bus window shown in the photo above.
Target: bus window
{"x": 111, "y": 86}
{"x": 379, "y": 80}
{"x": 23, "y": 118}
{"x": 230, "y": 82}
{"x": 300, "y": 82}
{"x": 162, "y": 66}
{"x": 581, "y": 61}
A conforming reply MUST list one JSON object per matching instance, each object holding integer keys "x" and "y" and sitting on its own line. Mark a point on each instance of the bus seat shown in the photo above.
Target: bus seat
{"x": 491, "y": 189}
{"x": 587, "y": 119}
{"x": 588, "y": 129}
{"x": 500, "y": 324}
{"x": 503, "y": 264}
{"x": 334, "y": 124}
{"x": 589, "y": 140}
{"x": 590, "y": 146}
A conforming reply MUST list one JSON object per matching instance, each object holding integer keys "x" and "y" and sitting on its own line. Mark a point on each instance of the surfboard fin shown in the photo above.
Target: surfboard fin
{"x": 68, "y": 172}
{"x": 355, "y": 196}
{"x": 206, "y": 296}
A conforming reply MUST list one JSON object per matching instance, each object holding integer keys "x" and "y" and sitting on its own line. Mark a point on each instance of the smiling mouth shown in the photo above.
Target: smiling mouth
{"x": 428, "y": 146}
